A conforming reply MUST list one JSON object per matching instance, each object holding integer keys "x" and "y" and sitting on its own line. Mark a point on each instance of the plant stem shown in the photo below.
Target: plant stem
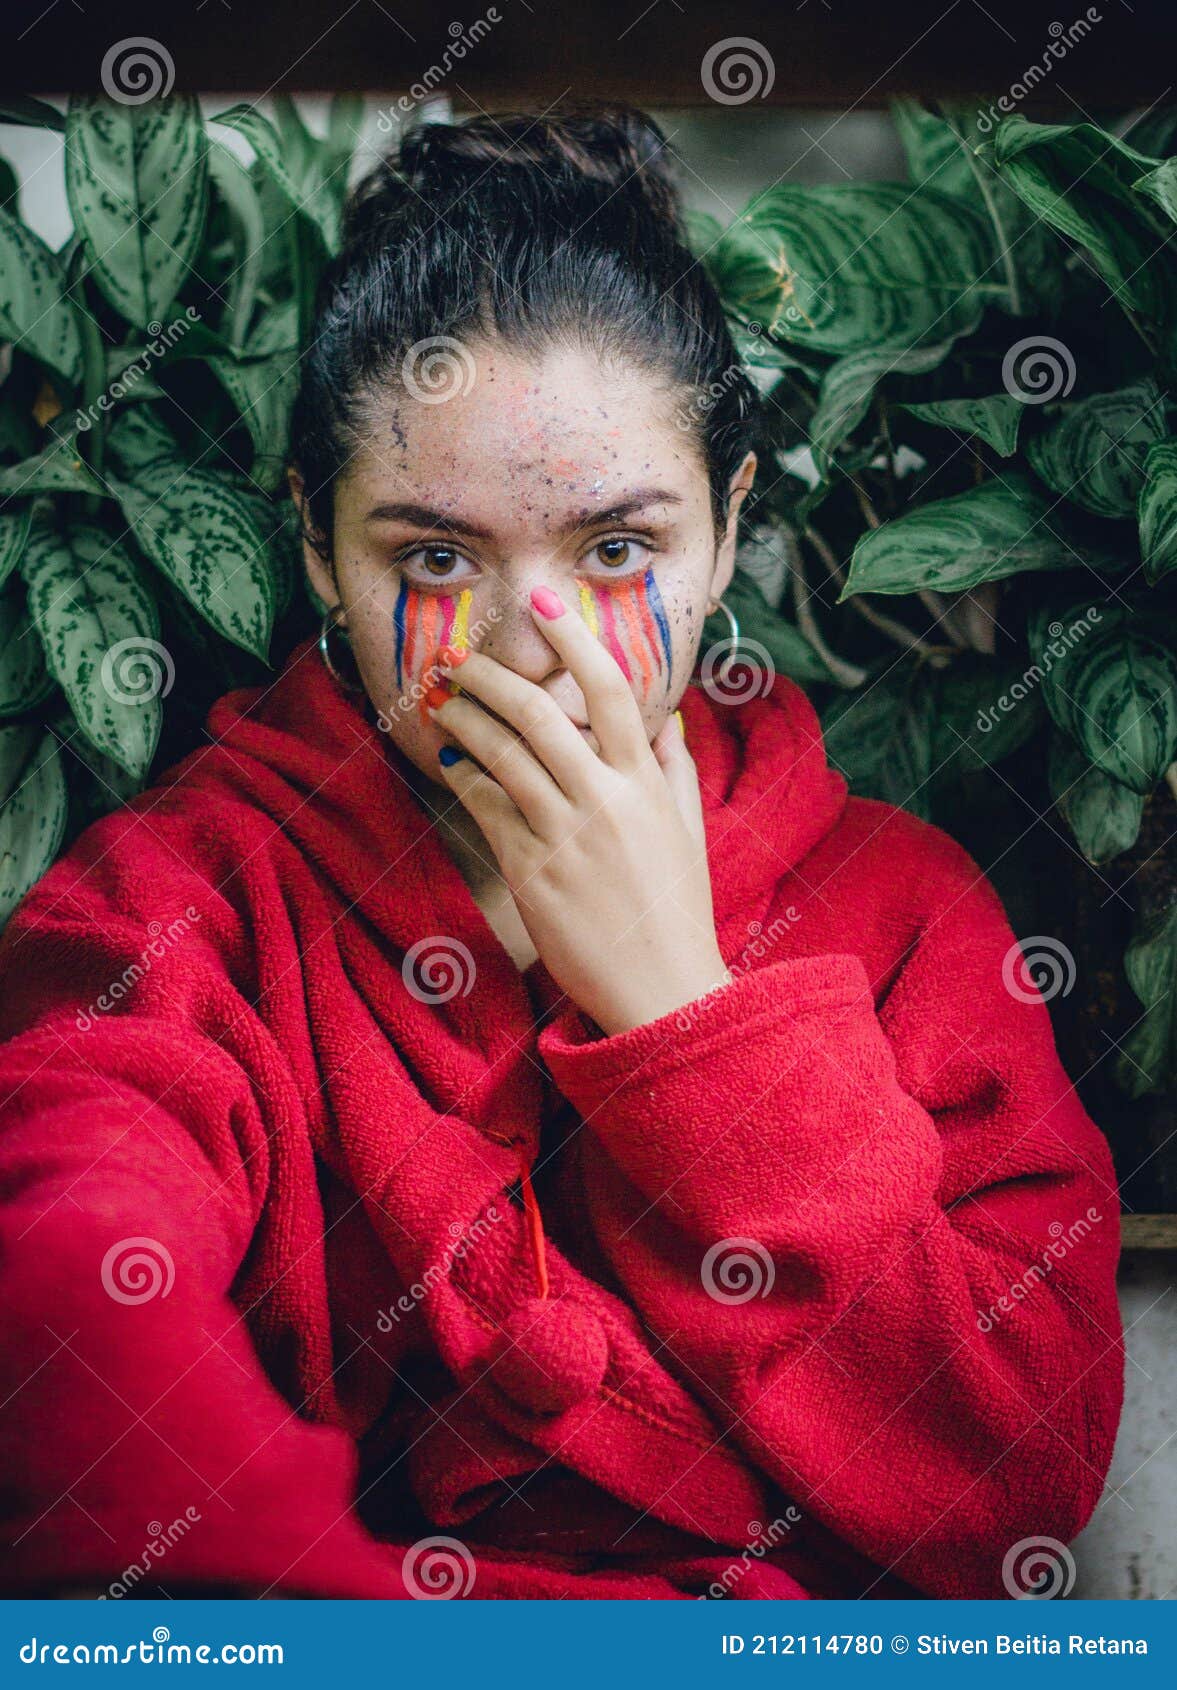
{"x": 1011, "y": 276}
{"x": 894, "y": 630}
{"x": 846, "y": 674}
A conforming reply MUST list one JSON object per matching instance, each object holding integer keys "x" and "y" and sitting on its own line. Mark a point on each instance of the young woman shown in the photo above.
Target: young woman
{"x": 500, "y": 1119}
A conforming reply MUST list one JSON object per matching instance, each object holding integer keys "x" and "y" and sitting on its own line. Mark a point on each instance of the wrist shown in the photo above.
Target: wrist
{"x": 638, "y": 1008}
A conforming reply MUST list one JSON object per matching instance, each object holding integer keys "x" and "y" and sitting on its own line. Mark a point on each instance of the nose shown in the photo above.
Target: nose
{"x": 511, "y": 636}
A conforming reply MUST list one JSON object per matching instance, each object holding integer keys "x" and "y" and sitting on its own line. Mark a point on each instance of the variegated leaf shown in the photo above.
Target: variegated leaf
{"x": 100, "y": 629}
{"x": 1103, "y": 814}
{"x": 1095, "y": 453}
{"x": 994, "y": 419}
{"x": 200, "y": 532}
{"x": 35, "y": 310}
{"x": 32, "y": 810}
{"x": 14, "y": 531}
{"x": 1157, "y": 511}
{"x": 1110, "y": 682}
{"x": 997, "y": 529}
{"x": 24, "y": 680}
{"x": 137, "y": 181}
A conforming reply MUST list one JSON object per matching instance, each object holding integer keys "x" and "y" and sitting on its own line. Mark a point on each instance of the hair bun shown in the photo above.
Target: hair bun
{"x": 614, "y": 150}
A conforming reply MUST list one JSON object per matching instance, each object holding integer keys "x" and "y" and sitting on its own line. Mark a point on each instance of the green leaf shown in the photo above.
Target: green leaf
{"x": 1110, "y": 682}
{"x": 849, "y": 267}
{"x": 201, "y": 533}
{"x": 1081, "y": 181}
{"x": 1157, "y": 510}
{"x": 35, "y": 310}
{"x": 997, "y": 529}
{"x": 994, "y": 419}
{"x": 24, "y": 680}
{"x": 32, "y": 810}
{"x": 1161, "y": 185}
{"x": 233, "y": 183}
{"x": 58, "y": 469}
{"x": 137, "y": 181}
{"x": 847, "y": 387}
{"x": 1148, "y": 1056}
{"x": 263, "y": 390}
{"x": 34, "y": 114}
{"x": 1095, "y": 453}
{"x": 881, "y": 737}
{"x": 100, "y": 630}
{"x": 934, "y": 155}
{"x": 294, "y": 166}
{"x": 1103, "y": 815}
{"x": 14, "y": 532}
{"x": 139, "y": 438}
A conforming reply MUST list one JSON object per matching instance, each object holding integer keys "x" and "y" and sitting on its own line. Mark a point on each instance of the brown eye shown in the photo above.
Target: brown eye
{"x": 439, "y": 561}
{"x": 613, "y": 551}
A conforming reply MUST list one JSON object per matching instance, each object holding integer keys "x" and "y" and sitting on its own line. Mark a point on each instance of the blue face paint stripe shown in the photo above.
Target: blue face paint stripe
{"x": 655, "y": 601}
{"x": 398, "y": 617}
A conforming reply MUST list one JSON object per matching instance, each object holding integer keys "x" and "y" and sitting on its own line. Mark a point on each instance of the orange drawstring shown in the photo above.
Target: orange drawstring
{"x": 535, "y": 1231}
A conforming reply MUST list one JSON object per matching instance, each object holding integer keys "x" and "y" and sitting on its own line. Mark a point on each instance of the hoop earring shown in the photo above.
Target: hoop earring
{"x": 328, "y": 626}
{"x": 735, "y": 630}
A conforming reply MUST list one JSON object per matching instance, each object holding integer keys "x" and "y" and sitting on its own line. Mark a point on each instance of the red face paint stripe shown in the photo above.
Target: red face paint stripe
{"x": 605, "y": 606}
{"x": 448, "y": 606}
{"x": 633, "y": 622}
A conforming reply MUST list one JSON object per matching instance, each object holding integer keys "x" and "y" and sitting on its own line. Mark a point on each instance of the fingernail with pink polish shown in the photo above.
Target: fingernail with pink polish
{"x": 547, "y": 602}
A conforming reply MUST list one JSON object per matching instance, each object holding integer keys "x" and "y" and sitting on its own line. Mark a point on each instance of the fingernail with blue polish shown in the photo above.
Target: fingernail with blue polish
{"x": 449, "y": 754}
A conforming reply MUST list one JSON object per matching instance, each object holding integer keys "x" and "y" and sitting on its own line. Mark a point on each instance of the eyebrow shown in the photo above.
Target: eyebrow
{"x": 422, "y": 516}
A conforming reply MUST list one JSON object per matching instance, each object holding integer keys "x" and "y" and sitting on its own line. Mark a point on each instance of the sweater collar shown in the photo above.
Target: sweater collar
{"x": 313, "y": 756}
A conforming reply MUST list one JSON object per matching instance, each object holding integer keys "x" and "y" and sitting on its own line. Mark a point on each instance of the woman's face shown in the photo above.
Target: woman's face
{"x": 565, "y": 473}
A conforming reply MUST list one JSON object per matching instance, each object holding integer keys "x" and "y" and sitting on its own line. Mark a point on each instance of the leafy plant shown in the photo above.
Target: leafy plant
{"x": 148, "y": 375}
{"x": 968, "y": 379}
{"x": 964, "y": 542}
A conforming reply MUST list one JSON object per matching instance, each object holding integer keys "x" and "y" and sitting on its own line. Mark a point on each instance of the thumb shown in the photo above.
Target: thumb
{"x": 678, "y": 766}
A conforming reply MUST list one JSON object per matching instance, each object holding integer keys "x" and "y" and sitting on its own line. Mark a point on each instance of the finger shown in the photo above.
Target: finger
{"x": 502, "y": 755}
{"x": 682, "y": 777}
{"x": 551, "y": 736}
{"x": 484, "y": 798}
{"x": 612, "y": 708}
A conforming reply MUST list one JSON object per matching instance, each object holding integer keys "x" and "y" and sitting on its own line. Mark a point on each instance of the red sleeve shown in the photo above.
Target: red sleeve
{"x": 880, "y": 1241}
{"x": 138, "y": 1427}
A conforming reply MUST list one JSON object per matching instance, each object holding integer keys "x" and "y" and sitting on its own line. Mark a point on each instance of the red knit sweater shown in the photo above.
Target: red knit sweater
{"x": 265, "y": 1259}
